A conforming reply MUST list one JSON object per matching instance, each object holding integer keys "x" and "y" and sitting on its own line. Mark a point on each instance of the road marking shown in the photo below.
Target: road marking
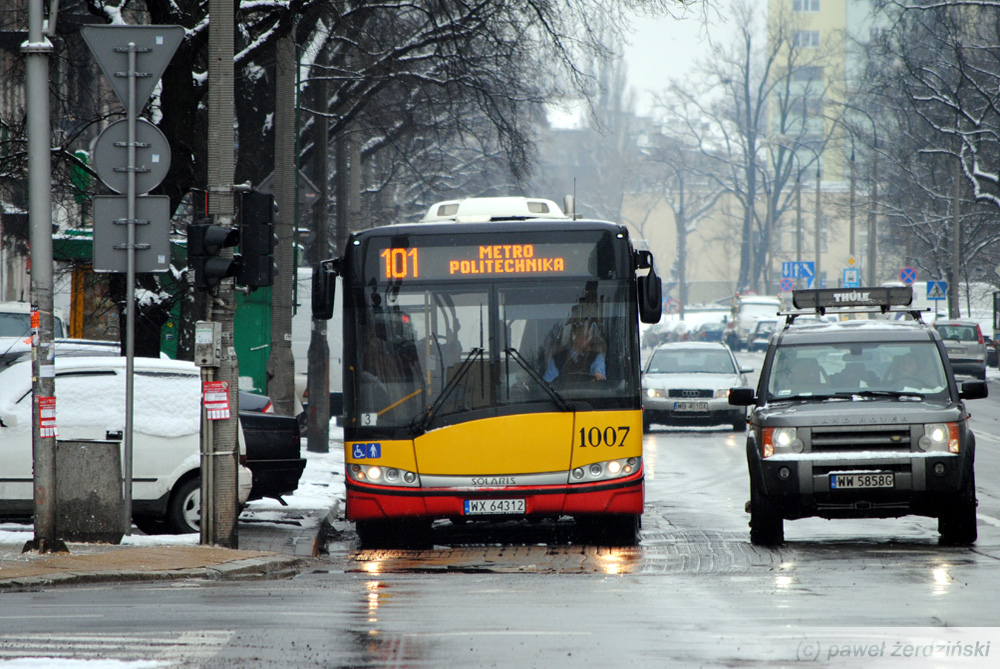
{"x": 991, "y": 437}
{"x": 989, "y": 520}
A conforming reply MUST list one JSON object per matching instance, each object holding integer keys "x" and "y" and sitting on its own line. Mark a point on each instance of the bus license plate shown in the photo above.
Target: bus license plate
{"x": 859, "y": 481}
{"x": 486, "y": 507}
{"x": 690, "y": 406}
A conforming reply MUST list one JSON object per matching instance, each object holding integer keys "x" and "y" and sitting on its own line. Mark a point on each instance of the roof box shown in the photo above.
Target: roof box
{"x": 882, "y": 298}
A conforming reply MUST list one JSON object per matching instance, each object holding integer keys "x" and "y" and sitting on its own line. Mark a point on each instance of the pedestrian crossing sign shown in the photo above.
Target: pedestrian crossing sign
{"x": 937, "y": 290}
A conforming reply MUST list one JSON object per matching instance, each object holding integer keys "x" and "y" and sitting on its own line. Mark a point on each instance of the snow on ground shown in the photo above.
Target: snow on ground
{"x": 321, "y": 484}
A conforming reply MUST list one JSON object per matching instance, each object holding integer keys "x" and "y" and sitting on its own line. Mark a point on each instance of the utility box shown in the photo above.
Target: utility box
{"x": 90, "y": 505}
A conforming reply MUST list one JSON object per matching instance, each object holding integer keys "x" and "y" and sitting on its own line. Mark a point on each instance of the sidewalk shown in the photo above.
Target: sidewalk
{"x": 275, "y": 541}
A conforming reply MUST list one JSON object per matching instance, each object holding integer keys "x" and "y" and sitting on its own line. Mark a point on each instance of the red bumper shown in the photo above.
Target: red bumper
{"x": 610, "y": 497}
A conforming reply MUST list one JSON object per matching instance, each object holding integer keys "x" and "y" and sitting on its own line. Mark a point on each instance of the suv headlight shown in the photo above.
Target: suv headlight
{"x": 780, "y": 440}
{"x": 939, "y": 437}
{"x": 378, "y": 475}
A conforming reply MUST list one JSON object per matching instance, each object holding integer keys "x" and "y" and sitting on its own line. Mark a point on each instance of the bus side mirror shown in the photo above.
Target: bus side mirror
{"x": 324, "y": 288}
{"x": 650, "y": 297}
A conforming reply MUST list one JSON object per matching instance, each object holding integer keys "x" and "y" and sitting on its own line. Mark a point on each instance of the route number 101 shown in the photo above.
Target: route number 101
{"x": 398, "y": 263}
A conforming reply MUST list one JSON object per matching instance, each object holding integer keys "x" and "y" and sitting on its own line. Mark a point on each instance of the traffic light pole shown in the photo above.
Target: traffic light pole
{"x": 219, "y": 488}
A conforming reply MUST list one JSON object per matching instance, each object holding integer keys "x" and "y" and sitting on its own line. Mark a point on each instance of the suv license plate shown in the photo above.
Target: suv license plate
{"x": 690, "y": 406}
{"x": 486, "y": 507}
{"x": 859, "y": 481}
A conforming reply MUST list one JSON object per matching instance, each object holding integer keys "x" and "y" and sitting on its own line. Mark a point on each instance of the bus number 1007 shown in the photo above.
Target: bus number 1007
{"x": 398, "y": 263}
{"x": 609, "y": 436}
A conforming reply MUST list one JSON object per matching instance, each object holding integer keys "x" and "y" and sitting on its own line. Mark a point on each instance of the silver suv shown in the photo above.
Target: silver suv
{"x": 859, "y": 419}
{"x": 963, "y": 340}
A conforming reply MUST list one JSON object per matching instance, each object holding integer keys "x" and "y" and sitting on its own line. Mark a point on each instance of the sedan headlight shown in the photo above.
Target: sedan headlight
{"x": 939, "y": 437}
{"x": 655, "y": 392}
{"x": 722, "y": 393}
{"x": 780, "y": 440}
{"x": 376, "y": 475}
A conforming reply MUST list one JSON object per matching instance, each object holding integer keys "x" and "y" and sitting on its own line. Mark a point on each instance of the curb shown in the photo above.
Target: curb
{"x": 257, "y": 568}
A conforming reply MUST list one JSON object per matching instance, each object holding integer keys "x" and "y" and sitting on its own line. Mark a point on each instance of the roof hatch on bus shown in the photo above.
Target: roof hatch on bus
{"x": 475, "y": 209}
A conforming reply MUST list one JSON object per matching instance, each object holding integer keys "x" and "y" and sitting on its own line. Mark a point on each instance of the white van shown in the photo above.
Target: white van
{"x": 15, "y": 321}
{"x": 90, "y": 404}
{"x": 746, "y": 311}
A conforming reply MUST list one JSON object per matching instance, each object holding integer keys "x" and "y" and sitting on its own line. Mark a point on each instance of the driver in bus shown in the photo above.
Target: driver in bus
{"x": 584, "y": 356}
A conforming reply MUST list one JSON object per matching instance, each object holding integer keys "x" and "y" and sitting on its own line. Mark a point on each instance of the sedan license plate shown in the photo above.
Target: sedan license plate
{"x": 486, "y": 507}
{"x": 862, "y": 480}
{"x": 955, "y": 351}
{"x": 690, "y": 406}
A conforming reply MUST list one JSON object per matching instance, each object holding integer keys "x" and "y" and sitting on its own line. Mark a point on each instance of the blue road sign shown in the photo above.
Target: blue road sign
{"x": 852, "y": 277}
{"x": 908, "y": 275}
{"x": 937, "y": 290}
{"x": 793, "y": 269}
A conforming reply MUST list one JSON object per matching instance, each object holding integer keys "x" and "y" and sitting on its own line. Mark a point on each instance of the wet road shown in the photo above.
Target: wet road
{"x": 694, "y": 593}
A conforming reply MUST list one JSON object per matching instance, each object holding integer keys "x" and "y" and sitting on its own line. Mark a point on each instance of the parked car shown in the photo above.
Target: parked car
{"x": 760, "y": 334}
{"x": 709, "y": 331}
{"x": 963, "y": 340}
{"x": 91, "y": 405}
{"x": 273, "y": 447}
{"x": 688, "y": 383}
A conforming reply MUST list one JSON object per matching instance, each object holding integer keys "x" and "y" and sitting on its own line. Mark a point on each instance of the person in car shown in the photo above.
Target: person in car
{"x": 585, "y": 356}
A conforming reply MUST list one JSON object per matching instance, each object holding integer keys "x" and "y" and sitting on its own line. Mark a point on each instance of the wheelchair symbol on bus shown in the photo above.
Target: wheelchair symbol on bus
{"x": 367, "y": 451}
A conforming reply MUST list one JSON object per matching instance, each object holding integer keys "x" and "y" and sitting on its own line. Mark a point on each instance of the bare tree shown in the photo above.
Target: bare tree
{"x": 937, "y": 75}
{"x": 756, "y": 108}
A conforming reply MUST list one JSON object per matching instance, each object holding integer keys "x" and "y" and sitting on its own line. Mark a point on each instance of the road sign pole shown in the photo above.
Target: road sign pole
{"x": 130, "y": 288}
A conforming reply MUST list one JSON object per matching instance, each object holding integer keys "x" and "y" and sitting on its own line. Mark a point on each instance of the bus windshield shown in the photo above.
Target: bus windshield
{"x": 432, "y": 355}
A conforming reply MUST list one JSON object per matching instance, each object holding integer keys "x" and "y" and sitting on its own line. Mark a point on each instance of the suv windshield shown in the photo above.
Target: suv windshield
{"x": 870, "y": 368}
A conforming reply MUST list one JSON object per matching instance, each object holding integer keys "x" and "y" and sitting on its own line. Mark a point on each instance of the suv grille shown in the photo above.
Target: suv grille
{"x": 690, "y": 393}
{"x": 861, "y": 438}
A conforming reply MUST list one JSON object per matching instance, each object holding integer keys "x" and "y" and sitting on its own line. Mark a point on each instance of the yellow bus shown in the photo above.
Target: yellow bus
{"x": 491, "y": 371}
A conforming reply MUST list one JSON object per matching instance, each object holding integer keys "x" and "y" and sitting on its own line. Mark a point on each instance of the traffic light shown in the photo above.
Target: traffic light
{"x": 205, "y": 242}
{"x": 257, "y": 240}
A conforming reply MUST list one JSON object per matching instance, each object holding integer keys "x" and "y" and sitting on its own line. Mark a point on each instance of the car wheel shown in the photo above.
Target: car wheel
{"x": 981, "y": 375}
{"x": 957, "y": 524}
{"x": 647, "y": 425}
{"x": 767, "y": 527}
{"x": 184, "y": 512}
{"x": 740, "y": 425}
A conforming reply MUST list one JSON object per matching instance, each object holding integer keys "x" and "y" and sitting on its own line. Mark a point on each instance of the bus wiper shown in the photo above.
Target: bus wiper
{"x": 553, "y": 393}
{"x": 421, "y": 422}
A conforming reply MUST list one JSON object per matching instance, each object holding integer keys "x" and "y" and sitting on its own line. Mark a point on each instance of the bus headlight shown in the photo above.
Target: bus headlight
{"x": 939, "y": 437}
{"x": 603, "y": 471}
{"x": 388, "y": 476}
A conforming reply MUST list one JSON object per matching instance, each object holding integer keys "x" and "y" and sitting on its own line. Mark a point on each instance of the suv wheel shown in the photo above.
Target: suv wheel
{"x": 957, "y": 523}
{"x": 767, "y": 527}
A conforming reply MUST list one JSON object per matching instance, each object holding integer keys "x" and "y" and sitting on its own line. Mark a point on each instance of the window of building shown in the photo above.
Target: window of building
{"x": 806, "y": 38}
{"x": 805, "y": 5}
{"x": 810, "y": 73}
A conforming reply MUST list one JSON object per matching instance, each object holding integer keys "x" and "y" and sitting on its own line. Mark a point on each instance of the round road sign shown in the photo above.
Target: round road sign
{"x": 908, "y": 275}
{"x": 152, "y": 156}
{"x": 671, "y": 306}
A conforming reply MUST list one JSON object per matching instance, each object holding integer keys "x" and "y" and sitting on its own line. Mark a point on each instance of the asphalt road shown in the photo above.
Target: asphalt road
{"x": 694, "y": 593}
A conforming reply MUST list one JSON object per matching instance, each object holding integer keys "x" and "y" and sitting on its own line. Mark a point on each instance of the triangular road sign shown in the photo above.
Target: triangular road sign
{"x": 154, "y": 45}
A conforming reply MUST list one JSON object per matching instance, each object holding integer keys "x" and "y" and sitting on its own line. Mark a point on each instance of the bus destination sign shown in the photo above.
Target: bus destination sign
{"x": 484, "y": 261}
